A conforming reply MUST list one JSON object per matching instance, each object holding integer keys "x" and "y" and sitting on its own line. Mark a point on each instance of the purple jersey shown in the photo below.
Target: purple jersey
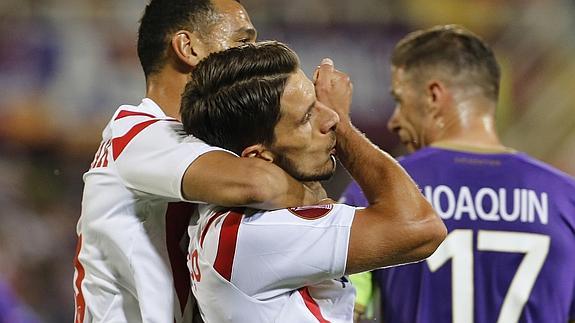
{"x": 510, "y": 253}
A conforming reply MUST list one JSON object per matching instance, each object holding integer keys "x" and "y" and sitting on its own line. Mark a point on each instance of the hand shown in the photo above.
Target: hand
{"x": 333, "y": 88}
{"x": 358, "y": 313}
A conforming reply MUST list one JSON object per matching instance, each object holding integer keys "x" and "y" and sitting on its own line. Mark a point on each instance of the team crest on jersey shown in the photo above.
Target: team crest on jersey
{"x": 311, "y": 212}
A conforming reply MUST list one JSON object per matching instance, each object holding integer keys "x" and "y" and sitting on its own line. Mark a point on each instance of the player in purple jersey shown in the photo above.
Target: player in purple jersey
{"x": 510, "y": 253}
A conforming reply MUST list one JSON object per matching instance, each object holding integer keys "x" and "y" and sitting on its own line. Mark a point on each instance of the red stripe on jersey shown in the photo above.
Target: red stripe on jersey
{"x": 205, "y": 231}
{"x": 312, "y": 305}
{"x": 79, "y": 297}
{"x": 126, "y": 113}
{"x": 178, "y": 217}
{"x": 103, "y": 162}
{"x": 227, "y": 244}
{"x": 97, "y": 156}
{"x": 118, "y": 144}
{"x": 105, "y": 158}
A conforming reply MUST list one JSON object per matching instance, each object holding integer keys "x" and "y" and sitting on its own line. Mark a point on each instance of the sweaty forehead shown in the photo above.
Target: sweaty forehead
{"x": 232, "y": 12}
{"x": 299, "y": 90}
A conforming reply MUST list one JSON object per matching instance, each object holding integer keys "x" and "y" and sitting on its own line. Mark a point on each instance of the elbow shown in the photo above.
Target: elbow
{"x": 431, "y": 232}
{"x": 436, "y": 233}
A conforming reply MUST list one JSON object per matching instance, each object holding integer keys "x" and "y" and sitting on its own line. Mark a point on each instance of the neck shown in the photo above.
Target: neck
{"x": 471, "y": 126}
{"x": 166, "y": 88}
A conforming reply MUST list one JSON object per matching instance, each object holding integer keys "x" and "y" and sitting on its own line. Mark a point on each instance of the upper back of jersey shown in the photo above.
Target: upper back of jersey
{"x": 509, "y": 254}
{"x": 275, "y": 266}
{"x": 129, "y": 231}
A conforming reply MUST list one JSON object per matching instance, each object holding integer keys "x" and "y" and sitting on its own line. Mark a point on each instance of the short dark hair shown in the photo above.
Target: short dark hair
{"x": 162, "y": 18}
{"x": 450, "y": 47}
{"x": 233, "y": 98}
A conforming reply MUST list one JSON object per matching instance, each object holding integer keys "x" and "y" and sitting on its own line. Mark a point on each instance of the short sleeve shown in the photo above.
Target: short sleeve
{"x": 154, "y": 160}
{"x": 283, "y": 250}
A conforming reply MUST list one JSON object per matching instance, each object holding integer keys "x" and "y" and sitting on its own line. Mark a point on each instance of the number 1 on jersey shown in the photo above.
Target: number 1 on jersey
{"x": 459, "y": 246}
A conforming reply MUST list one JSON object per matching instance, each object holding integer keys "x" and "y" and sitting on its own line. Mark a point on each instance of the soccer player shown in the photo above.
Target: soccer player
{"x": 511, "y": 219}
{"x": 131, "y": 261}
{"x": 288, "y": 265}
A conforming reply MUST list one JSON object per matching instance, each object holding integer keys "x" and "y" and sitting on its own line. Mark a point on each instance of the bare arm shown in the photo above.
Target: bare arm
{"x": 399, "y": 225}
{"x": 221, "y": 178}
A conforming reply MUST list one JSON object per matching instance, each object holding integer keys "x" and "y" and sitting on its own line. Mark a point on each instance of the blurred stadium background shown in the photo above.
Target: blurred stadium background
{"x": 66, "y": 65}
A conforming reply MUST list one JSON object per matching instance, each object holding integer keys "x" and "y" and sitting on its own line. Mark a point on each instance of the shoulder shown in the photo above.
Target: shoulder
{"x": 540, "y": 169}
{"x": 128, "y": 116}
{"x": 147, "y": 128}
{"x": 543, "y": 167}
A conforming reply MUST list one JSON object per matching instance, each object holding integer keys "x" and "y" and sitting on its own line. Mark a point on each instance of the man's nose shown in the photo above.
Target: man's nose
{"x": 330, "y": 119}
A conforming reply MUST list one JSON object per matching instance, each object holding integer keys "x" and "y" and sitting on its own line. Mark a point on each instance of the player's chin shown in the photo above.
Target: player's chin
{"x": 329, "y": 168}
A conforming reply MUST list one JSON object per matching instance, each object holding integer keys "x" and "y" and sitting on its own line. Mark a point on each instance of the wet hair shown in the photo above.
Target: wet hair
{"x": 233, "y": 98}
{"x": 452, "y": 49}
{"x": 164, "y": 17}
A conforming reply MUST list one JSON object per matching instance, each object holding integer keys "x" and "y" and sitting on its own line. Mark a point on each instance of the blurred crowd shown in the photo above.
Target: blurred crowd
{"x": 66, "y": 65}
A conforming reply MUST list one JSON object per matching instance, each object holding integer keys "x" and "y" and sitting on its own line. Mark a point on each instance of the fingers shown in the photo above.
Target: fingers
{"x": 327, "y": 61}
{"x": 324, "y": 68}
{"x": 333, "y": 88}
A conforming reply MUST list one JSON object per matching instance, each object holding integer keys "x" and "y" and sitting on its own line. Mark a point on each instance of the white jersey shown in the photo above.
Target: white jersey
{"x": 272, "y": 266}
{"x": 130, "y": 264}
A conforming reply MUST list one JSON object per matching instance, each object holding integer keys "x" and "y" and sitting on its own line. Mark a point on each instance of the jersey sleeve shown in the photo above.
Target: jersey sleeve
{"x": 284, "y": 250}
{"x": 152, "y": 156}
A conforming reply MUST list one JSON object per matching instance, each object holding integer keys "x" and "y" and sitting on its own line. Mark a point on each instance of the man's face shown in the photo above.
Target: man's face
{"x": 408, "y": 121}
{"x": 304, "y": 142}
{"x": 233, "y": 27}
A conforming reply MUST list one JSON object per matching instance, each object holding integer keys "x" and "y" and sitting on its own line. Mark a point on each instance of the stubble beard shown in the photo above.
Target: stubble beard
{"x": 289, "y": 166}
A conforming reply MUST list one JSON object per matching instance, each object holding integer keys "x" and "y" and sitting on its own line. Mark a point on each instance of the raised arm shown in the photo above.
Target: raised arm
{"x": 399, "y": 225}
{"x": 223, "y": 179}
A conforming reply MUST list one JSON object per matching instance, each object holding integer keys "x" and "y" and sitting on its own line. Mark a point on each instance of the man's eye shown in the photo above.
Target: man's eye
{"x": 244, "y": 40}
{"x": 307, "y": 117}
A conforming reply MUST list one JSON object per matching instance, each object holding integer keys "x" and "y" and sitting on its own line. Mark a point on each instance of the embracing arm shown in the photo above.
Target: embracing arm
{"x": 221, "y": 178}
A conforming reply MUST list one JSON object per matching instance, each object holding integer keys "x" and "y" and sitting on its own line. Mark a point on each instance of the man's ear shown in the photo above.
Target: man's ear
{"x": 258, "y": 151}
{"x": 436, "y": 95}
{"x": 188, "y": 48}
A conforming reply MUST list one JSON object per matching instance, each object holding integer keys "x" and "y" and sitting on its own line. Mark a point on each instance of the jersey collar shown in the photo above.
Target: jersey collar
{"x": 151, "y": 106}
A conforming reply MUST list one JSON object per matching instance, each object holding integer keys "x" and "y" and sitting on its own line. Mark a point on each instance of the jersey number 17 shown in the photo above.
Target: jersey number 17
{"x": 458, "y": 246}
